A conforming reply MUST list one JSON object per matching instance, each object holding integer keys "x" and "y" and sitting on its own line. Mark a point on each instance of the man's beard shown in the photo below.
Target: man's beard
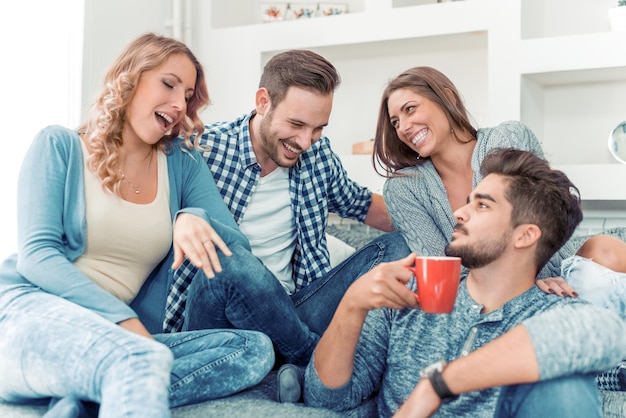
{"x": 479, "y": 254}
{"x": 270, "y": 145}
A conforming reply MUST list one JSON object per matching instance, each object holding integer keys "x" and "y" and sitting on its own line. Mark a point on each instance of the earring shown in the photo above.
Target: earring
{"x": 451, "y": 130}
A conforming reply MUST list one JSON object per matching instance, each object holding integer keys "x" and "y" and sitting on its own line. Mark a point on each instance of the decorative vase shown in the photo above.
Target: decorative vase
{"x": 617, "y": 18}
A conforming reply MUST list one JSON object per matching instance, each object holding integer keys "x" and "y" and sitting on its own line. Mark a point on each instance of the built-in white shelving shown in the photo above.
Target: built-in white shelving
{"x": 554, "y": 65}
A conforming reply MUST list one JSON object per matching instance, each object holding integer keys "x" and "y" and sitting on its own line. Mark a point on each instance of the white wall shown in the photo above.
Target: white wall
{"x": 42, "y": 86}
{"x": 110, "y": 26}
{"x": 575, "y": 17}
{"x": 40, "y": 75}
{"x": 45, "y": 78}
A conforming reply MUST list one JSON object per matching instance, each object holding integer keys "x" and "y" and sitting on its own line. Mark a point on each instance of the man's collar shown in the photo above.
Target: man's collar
{"x": 248, "y": 157}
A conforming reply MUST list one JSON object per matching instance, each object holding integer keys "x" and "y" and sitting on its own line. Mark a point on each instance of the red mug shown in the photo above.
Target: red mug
{"x": 437, "y": 280}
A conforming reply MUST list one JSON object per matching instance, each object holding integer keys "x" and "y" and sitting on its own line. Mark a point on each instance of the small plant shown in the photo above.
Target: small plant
{"x": 621, "y": 3}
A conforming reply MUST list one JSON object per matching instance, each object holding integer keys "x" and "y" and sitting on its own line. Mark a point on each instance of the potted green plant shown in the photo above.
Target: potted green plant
{"x": 617, "y": 16}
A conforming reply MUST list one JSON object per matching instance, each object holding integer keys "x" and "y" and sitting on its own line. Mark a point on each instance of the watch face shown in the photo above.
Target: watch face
{"x": 433, "y": 373}
{"x": 437, "y": 366}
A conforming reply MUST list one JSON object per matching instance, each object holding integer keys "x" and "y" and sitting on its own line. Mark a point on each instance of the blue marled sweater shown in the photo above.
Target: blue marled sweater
{"x": 569, "y": 336}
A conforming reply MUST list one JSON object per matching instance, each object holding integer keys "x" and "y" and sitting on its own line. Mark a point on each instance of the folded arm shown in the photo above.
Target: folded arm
{"x": 383, "y": 286}
{"x": 566, "y": 340}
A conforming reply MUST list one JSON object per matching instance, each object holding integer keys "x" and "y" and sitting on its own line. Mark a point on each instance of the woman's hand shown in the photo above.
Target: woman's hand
{"x": 135, "y": 325}
{"x": 557, "y": 286}
{"x": 196, "y": 239}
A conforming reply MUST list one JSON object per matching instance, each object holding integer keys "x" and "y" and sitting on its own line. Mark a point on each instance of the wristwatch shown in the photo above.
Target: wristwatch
{"x": 433, "y": 373}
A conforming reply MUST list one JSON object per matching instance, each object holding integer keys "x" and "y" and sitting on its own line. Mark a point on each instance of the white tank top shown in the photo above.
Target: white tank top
{"x": 270, "y": 226}
{"x": 125, "y": 241}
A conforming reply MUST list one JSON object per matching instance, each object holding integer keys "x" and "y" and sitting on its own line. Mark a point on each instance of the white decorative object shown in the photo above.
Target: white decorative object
{"x": 331, "y": 9}
{"x": 617, "y": 142}
{"x": 617, "y": 16}
{"x": 302, "y": 10}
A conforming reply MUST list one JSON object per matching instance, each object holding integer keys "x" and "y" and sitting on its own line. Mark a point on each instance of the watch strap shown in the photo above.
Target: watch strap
{"x": 439, "y": 385}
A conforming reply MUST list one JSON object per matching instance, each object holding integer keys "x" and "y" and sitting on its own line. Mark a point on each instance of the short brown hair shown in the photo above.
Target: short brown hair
{"x": 298, "y": 68}
{"x": 539, "y": 195}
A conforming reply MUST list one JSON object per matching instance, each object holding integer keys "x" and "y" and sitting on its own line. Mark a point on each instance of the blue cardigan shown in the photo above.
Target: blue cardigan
{"x": 52, "y": 225}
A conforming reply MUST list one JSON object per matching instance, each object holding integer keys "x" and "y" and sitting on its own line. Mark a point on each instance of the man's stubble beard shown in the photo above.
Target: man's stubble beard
{"x": 479, "y": 254}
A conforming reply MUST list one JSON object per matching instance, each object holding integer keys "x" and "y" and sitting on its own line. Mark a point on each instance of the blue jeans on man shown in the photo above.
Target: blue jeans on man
{"x": 247, "y": 295}
{"x": 569, "y": 396}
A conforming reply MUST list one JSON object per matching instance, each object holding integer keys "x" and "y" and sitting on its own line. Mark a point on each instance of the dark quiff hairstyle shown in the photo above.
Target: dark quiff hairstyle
{"x": 105, "y": 121}
{"x": 539, "y": 195}
{"x": 298, "y": 68}
{"x": 390, "y": 153}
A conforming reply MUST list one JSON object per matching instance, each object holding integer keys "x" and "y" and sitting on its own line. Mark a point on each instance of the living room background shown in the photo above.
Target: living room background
{"x": 555, "y": 65}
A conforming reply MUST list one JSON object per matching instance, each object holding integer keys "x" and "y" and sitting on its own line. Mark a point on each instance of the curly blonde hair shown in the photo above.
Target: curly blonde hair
{"x": 106, "y": 118}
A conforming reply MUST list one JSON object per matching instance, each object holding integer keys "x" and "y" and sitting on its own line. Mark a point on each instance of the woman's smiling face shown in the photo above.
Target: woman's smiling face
{"x": 419, "y": 122}
{"x": 160, "y": 101}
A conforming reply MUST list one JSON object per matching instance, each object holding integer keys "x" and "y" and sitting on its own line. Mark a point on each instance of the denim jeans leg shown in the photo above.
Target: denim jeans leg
{"x": 317, "y": 302}
{"x": 211, "y": 364}
{"x": 71, "y": 407}
{"x": 595, "y": 283}
{"x": 50, "y": 347}
{"x": 246, "y": 295}
{"x": 570, "y": 396}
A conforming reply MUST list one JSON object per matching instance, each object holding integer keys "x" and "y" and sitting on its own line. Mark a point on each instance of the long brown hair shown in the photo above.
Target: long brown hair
{"x": 390, "y": 153}
{"x": 106, "y": 118}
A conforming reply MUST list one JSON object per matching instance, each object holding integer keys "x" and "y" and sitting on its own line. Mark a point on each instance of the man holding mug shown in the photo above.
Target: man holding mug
{"x": 507, "y": 348}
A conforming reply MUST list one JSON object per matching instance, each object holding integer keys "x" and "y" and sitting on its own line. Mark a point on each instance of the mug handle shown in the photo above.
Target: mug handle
{"x": 415, "y": 294}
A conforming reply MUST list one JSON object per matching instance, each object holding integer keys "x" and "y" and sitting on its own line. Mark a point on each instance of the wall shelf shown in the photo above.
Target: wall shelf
{"x": 511, "y": 60}
{"x": 598, "y": 51}
{"x": 598, "y": 183}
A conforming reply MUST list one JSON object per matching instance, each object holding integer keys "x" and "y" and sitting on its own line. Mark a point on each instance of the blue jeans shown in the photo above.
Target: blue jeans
{"x": 211, "y": 364}
{"x": 50, "y": 347}
{"x": 246, "y": 295}
{"x": 66, "y": 351}
{"x": 571, "y": 397}
{"x": 595, "y": 283}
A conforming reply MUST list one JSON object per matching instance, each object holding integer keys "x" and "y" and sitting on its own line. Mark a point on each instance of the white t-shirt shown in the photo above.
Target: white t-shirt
{"x": 270, "y": 226}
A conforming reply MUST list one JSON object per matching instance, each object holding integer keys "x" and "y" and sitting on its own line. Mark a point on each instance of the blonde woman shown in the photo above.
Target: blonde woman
{"x": 102, "y": 212}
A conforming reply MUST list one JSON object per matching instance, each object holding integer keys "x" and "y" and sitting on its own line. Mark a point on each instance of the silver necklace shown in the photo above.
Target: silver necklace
{"x": 130, "y": 183}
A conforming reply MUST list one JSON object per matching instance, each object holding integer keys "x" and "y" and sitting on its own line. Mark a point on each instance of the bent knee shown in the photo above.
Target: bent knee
{"x": 605, "y": 250}
{"x": 149, "y": 351}
{"x": 145, "y": 361}
{"x": 261, "y": 353}
{"x": 160, "y": 353}
{"x": 394, "y": 243}
{"x": 244, "y": 268}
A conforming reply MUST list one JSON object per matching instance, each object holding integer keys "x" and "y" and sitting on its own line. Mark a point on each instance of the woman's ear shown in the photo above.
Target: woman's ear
{"x": 262, "y": 101}
{"x": 527, "y": 235}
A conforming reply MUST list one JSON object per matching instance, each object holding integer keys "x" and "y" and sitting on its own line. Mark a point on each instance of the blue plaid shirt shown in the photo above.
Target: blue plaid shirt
{"x": 318, "y": 184}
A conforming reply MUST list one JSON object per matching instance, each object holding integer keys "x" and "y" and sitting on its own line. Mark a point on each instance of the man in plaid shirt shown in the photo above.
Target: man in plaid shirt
{"x": 280, "y": 178}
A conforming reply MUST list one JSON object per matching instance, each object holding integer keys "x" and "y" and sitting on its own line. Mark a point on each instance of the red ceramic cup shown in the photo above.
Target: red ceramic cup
{"x": 437, "y": 282}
